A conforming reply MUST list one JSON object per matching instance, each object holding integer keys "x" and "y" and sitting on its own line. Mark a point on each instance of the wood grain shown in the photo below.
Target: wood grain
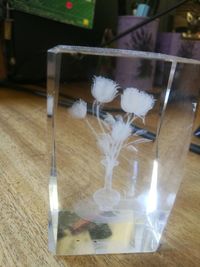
{"x": 24, "y": 198}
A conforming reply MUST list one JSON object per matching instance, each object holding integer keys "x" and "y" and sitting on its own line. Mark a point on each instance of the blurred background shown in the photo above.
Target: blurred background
{"x": 29, "y": 28}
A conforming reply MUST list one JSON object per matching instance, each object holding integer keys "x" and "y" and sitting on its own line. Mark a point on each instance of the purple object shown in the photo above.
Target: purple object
{"x": 173, "y": 44}
{"x": 137, "y": 73}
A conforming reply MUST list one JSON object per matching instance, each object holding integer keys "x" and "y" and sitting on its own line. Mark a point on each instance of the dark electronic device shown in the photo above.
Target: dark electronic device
{"x": 34, "y": 35}
{"x": 75, "y": 12}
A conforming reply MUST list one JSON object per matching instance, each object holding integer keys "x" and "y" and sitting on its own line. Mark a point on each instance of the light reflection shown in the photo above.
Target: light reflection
{"x": 53, "y": 195}
{"x": 153, "y": 196}
{"x": 131, "y": 191}
{"x": 53, "y": 199}
{"x": 50, "y": 101}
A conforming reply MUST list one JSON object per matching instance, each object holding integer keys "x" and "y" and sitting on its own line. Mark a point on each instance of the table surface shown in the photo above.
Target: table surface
{"x": 24, "y": 198}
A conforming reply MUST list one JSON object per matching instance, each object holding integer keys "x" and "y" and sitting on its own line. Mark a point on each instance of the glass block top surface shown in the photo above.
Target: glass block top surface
{"x": 120, "y": 53}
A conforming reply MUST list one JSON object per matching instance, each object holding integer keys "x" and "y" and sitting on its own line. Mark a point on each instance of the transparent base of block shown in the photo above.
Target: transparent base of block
{"x": 119, "y": 231}
{"x": 106, "y": 198}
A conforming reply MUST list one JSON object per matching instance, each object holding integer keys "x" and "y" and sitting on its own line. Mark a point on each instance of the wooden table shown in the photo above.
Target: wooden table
{"x": 24, "y": 198}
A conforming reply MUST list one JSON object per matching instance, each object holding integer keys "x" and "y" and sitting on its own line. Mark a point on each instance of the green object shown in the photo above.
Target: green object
{"x": 100, "y": 231}
{"x": 75, "y": 12}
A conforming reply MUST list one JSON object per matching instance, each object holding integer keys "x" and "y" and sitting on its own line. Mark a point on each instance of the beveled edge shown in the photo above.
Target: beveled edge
{"x": 113, "y": 52}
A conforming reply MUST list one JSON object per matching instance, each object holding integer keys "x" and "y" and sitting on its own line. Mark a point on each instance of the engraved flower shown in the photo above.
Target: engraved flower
{"x": 136, "y": 102}
{"x": 104, "y": 143}
{"x": 120, "y": 131}
{"x": 104, "y": 90}
{"x": 79, "y": 109}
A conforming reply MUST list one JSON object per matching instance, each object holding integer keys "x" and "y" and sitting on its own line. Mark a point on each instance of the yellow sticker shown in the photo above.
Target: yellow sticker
{"x": 85, "y": 22}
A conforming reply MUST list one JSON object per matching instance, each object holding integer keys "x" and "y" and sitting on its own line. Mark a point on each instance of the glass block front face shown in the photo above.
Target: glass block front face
{"x": 117, "y": 143}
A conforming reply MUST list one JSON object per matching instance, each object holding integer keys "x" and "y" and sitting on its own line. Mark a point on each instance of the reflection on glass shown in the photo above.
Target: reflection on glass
{"x": 152, "y": 198}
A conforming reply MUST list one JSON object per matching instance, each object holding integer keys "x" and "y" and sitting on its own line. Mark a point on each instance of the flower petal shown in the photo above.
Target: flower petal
{"x": 78, "y": 109}
{"x": 136, "y": 102}
{"x": 104, "y": 90}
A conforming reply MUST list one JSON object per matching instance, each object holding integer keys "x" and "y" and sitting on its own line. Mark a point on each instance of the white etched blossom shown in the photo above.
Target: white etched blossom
{"x": 136, "y": 102}
{"x": 109, "y": 119}
{"x": 104, "y": 90}
{"x": 79, "y": 109}
{"x": 120, "y": 131}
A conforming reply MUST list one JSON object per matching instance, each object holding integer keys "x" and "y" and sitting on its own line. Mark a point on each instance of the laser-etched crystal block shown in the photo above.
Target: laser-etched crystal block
{"x": 116, "y": 154}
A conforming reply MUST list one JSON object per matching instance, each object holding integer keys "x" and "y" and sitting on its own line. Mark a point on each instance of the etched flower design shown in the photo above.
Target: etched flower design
{"x": 120, "y": 131}
{"x": 79, "y": 109}
{"x": 136, "y": 102}
{"x": 104, "y": 143}
{"x": 113, "y": 133}
{"x": 104, "y": 90}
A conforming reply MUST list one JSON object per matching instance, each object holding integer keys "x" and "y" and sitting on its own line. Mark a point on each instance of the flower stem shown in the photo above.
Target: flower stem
{"x": 119, "y": 147}
{"x": 91, "y": 128}
{"x": 98, "y": 118}
{"x": 108, "y": 182}
{"x": 108, "y": 176}
{"x": 132, "y": 120}
{"x": 93, "y": 106}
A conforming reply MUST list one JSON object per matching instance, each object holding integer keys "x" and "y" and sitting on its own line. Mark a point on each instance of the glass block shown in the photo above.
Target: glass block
{"x": 116, "y": 148}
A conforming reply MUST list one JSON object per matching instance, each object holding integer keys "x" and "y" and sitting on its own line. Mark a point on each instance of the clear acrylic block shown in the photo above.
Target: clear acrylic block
{"x": 116, "y": 149}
